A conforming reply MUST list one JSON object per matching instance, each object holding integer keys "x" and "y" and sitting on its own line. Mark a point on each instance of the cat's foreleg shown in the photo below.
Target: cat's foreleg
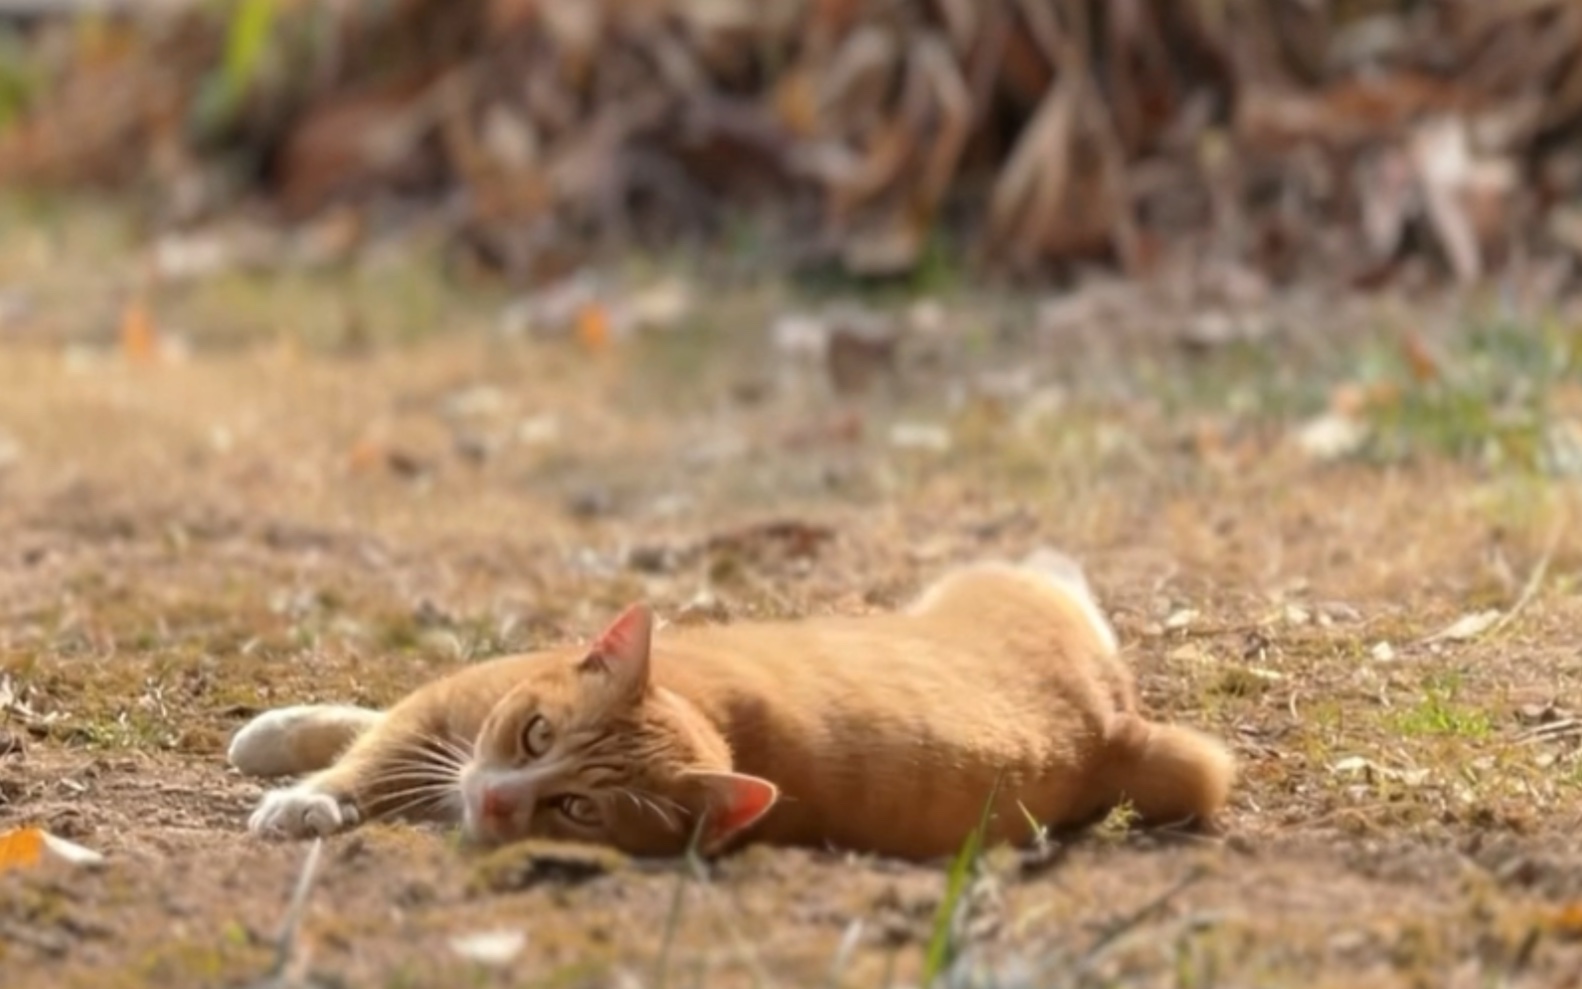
{"x": 392, "y": 769}
{"x": 325, "y": 803}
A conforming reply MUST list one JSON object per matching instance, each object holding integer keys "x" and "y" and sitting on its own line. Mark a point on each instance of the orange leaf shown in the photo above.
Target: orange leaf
{"x": 593, "y": 327}
{"x": 366, "y": 454}
{"x": 796, "y": 103}
{"x": 139, "y": 340}
{"x": 21, "y": 848}
{"x": 1421, "y": 360}
{"x": 1567, "y": 921}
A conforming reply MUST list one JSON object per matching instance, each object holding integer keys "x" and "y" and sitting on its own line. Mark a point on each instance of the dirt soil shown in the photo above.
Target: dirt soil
{"x": 291, "y": 510}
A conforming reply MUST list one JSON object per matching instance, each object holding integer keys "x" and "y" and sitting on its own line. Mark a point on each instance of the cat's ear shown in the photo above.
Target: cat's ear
{"x": 736, "y": 801}
{"x": 620, "y": 653}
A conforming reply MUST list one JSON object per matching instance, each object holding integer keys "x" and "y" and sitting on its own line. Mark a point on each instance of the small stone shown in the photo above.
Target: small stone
{"x": 1382, "y": 652}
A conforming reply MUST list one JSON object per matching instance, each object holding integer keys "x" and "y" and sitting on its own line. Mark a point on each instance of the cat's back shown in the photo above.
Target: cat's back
{"x": 987, "y": 645}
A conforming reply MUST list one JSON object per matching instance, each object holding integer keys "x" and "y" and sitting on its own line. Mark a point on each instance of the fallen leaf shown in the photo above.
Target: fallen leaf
{"x": 859, "y": 354}
{"x": 920, "y": 436}
{"x": 593, "y": 327}
{"x": 493, "y": 948}
{"x": 1181, "y": 619}
{"x": 1358, "y": 765}
{"x": 23, "y": 848}
{"x": 540, "y": 430}
{"x": 795, "y": 102}
{"x": 365, "y": 455}
{"x": 800, "y": 335}
{"x": 658, "y": 307}
{"x": 1331, "y": 436}
{"x": 10, "y": 451}
{"x": 1455, "y": 183}
{"x": 551, "y": 311}
{"x": 70, "y": 851}
{"x": 139, "y": 339}
{"x": 1567, "y": 921}
{"x": 1466, "y": 627}
{"x": 786, "y": 538}
{"x": 1419, "y": 357}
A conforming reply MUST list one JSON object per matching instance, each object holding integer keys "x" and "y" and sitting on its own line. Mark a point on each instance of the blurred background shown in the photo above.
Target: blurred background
{"x": 1203, "y": 175}
{"x": 1371, "y": 143}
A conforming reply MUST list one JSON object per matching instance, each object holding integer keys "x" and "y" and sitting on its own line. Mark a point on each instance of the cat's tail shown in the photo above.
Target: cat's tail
{"x": 302, "y": 739}
{"x": 1170, "y": 774}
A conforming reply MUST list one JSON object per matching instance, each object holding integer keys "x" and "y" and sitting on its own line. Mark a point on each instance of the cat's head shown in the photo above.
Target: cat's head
{"x": 586, "y": 747}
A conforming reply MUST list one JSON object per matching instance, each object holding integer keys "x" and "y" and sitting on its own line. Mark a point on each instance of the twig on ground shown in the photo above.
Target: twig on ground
{"x": 286, "y": 970}
{"x": 1534, "y": 580}
{"x": 1101, "y": 945}
{"x": 844, "y": 951}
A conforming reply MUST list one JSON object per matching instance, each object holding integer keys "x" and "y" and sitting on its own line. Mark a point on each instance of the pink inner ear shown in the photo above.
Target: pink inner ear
{"x": 739, "y": 800}
{"x": 625, "y": 641}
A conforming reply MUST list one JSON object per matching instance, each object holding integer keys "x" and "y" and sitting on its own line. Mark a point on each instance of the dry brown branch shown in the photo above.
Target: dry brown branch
{"x": 1092, "y": 125}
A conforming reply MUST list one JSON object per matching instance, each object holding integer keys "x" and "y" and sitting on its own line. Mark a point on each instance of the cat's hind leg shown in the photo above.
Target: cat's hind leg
{"x": 1067, "y": 577}
{"x": 303, "y": 738}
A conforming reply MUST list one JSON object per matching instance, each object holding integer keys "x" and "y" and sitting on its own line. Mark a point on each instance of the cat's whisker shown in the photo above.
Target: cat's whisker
{"x": 421, "y": 787}
{"x": 460, "y": 751}
{"x": 426, "y": 762}
{"x": 426, "y": 804}
{"x": 396, "y": 786}
{"x": 651, "y": 801}
{"x": 418, "y": 763}
{"x": 413, "y": 779}
{"x": 450, "y": 760}
{"x": 673, "y": 804}
{"x": 423, "y": 765}
{"x": 439, "y": 750}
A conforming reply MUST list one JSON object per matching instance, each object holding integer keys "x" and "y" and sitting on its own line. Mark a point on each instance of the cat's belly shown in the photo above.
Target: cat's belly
{"x": 914, "y": 782}
{"x": 884, "y": 738}
{"x": 922, "y": 801}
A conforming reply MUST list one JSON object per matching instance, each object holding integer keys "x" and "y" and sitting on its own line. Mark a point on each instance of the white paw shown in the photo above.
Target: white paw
{"x": 301, "y": 812}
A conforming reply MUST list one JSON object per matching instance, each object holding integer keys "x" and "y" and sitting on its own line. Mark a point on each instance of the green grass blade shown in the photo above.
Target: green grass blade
{"x": 942, "y": 947}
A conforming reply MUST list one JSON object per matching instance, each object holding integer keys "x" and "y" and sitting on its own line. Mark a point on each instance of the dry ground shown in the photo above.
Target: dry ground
{"x": 282, "y": 516}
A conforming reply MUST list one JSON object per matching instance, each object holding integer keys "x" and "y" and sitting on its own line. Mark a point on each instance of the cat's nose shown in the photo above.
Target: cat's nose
{"x": 496, "y": 805}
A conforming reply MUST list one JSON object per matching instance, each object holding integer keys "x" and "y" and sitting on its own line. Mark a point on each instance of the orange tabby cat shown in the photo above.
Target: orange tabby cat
{"x": 883, "y": 734}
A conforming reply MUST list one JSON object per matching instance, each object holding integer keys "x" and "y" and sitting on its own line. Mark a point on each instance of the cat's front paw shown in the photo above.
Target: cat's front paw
{"x": 302, "y": 812}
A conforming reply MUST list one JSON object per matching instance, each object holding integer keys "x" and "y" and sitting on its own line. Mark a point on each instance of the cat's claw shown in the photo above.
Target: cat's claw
{"x": 302, "y": 812}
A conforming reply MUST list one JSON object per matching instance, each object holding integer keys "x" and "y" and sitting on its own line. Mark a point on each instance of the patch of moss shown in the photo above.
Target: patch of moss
{"x": 1441, "y": 712}
{"x": 526, "y": 864}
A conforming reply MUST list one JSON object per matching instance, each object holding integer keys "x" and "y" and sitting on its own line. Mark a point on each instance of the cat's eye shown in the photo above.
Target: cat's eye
{"x": 537, "y": 736}
{"x": 581, "y": 810}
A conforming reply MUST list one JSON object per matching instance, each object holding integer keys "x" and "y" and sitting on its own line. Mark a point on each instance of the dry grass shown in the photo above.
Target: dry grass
{"x": 184, "y": 543}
